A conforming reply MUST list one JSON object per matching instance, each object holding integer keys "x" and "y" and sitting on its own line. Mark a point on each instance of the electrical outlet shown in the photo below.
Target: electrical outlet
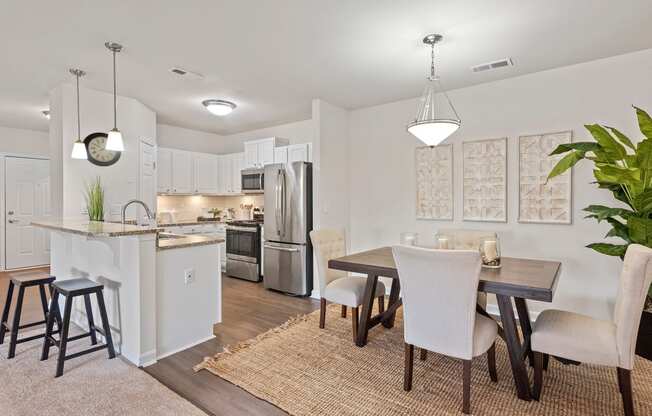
{"x": 189, "y": 276}
{"x": 84, "y": 209}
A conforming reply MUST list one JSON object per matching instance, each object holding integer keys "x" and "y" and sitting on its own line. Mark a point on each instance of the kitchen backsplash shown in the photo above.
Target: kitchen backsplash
{"x": 189, "y": 207}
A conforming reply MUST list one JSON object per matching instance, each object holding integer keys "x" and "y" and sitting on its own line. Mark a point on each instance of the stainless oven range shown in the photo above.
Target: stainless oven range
{"x": 243, "y": 250}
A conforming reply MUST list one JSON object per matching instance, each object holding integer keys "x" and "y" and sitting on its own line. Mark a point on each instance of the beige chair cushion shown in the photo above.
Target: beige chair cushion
{"x": 484, "y": 334}
{"x": 576, "y": 337}
{"x": 349, "y": 291}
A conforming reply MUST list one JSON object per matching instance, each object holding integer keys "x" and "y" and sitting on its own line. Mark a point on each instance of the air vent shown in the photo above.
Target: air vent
{"x": 493, "y": 65}
{"x": 185, "y": 73}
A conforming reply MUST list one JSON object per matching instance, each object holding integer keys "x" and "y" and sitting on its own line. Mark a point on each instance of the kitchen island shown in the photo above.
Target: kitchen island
{"x": 159, "y": 299}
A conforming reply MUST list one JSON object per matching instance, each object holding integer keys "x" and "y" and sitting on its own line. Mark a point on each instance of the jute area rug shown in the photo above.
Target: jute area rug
{"x": 91, "y": 385}
{"x": 307, "y": 371}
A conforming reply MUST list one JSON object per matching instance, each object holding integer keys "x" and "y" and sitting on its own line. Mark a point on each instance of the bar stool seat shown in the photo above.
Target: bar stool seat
{"x": 70, "y": 289}
{"x": 22, "y": 281}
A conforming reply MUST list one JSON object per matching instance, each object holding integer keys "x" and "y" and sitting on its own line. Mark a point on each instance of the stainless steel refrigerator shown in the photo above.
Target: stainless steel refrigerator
{"x": 288, "y": 220}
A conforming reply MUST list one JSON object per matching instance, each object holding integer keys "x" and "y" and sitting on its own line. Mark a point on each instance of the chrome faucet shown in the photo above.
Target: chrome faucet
{"x": 149, "y": 212}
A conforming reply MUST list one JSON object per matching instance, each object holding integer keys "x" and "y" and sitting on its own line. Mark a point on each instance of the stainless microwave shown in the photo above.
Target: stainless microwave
{"x": 253, "y": 181}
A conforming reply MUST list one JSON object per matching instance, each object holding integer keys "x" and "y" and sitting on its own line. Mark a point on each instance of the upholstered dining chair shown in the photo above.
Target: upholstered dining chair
{"x": 463, "y": 239}
{"x": 603, "y": 342}
{"x": 439, "y": 290}
{"x": 337, "y": 286}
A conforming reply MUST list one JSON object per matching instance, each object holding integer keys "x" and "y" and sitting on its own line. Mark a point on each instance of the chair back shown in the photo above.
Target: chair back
{"x": 327, "y": 244}
{"x": 439, "y": 290}
{"x": 635, "y": 280}
{"x": 461, "y": 239}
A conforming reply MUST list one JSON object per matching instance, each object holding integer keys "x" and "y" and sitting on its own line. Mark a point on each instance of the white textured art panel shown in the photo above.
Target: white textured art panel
{"x": 485, "y": 180}
{"x": 434, "y": 182}
{"x": 541, "y": 201}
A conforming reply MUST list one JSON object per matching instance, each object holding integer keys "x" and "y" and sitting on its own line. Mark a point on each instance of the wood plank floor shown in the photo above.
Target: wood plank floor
{"x": 248, "y": 310}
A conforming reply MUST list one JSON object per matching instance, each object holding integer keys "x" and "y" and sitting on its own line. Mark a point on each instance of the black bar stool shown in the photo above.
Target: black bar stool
{"x": 23, "y": 281}
{"x": 71, "y": 289}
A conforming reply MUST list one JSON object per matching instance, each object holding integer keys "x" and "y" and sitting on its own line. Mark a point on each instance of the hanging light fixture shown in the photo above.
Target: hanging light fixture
{"x": 430, "y": 126}
{"x": 114, "y": 141}
{"x": 78, "y": 148}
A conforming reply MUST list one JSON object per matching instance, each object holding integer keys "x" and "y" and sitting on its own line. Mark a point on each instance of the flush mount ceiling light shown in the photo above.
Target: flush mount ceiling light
{"x": 46, "y": 114}
{"x": 219, "y": 107}
{"x": 114, "y": 141}
{"x": 78, "y": 148}
{"x": 431, "y": 126}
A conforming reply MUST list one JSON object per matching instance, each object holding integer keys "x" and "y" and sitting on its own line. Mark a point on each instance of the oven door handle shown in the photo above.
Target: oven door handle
{"x": 243, "y": 229}
{"x": 291, "y": 250}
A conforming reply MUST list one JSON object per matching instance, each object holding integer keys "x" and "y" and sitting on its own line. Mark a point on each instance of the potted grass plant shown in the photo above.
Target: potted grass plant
{"x": 95, "y": 200}
{"x": 624, "y": 169}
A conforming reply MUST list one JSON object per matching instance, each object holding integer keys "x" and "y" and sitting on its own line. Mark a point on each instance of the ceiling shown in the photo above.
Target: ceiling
{"x": 273, "y": 57}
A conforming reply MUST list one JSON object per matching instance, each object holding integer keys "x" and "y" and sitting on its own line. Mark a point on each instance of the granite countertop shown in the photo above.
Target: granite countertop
{"x": 171, "y": 241}
{"x": 96, "y": 228}
{"x": 181, "y": 223}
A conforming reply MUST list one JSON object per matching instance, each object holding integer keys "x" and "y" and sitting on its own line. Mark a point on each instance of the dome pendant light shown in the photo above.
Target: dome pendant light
{"x": 114, "y": 141}
{"x": 429, "y": 126}
{"x": 78, "y": 148}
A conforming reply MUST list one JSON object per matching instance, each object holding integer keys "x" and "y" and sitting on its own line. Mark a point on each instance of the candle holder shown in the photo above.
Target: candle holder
{"x": 409, "y": 239}
{"x": 443, "y": 242}
{"x": 490, "y": 252}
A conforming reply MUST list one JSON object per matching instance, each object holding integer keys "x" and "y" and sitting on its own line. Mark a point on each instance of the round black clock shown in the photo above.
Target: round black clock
{"x": 96, "y": 149}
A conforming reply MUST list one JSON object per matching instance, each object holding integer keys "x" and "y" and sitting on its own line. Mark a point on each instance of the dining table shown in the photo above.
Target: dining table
{"x": 517, "y": 280}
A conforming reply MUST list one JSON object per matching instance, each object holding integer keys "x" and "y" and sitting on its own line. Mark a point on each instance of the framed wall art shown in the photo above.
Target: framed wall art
{"x": 434, "y": 174}
{"x": 484, "y": 181}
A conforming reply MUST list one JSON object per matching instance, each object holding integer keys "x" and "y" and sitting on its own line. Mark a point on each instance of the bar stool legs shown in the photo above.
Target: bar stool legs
{"x": 16, "y": 323}
{"x": 5, "y": 312}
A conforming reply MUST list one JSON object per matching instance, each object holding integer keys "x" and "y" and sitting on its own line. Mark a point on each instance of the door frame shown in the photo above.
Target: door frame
{"x": 3, "y": 199}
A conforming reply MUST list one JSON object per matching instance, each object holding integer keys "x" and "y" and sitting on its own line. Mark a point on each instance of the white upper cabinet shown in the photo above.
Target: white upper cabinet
{"x": 299, "y": 153}
{"x": 225, "y": 175}
{"x": 237, "y": 164}
{"x": 259, "y": 153}
{"x": 281, "y": 154}
{"x": 164, "y": 170}
{"x": 182, "y": 172}
{"x": 206, "y": 173}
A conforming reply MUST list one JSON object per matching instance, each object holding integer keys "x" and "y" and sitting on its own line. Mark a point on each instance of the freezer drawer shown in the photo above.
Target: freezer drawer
{"x": 287, "y": 269}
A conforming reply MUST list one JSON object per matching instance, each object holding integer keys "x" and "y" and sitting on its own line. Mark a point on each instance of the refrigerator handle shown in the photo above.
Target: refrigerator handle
{"x": 283, "y": 200}
{"x": 277, "y": 202}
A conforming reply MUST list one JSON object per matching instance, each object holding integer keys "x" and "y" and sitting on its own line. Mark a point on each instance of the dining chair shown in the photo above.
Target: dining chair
{"x": 338, "y": 286}
{"x": 585, "y": 339}
{"x": 465, "y": 239}
{"x": 439, "y": 290}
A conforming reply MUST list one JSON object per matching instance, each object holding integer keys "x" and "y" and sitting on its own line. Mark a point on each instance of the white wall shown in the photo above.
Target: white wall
{"x": 296, "y": 132}
{"x": 382, "y": 185}
{"x": 191, "y": 140}
{"x": 121, "y": 180}
{"x": 27, "y": 142}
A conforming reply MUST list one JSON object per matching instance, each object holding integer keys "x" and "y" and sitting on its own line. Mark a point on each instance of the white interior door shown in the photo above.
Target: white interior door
{"x": 27, "y": 199}
{"x": 147, "y": 179}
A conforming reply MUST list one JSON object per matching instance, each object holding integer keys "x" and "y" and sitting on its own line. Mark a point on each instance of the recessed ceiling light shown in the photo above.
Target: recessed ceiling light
{"x": 46, "y": 113}
{"x": 219, "y": 107}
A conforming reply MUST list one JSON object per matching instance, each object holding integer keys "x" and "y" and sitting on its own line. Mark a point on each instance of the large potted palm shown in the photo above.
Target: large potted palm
{"x": 625, "y": 169}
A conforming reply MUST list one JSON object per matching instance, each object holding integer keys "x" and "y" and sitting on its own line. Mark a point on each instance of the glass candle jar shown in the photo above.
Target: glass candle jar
{"x": 490, "y": 252}
{"x": 443, "y": 242}
{"x": 409, "y": 239}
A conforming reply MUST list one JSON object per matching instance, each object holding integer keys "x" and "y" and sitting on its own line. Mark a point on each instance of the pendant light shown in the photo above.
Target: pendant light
{"x": 114, "y": 141}
{"x": 430, "y": 125}
{"x": 78, "y": 148}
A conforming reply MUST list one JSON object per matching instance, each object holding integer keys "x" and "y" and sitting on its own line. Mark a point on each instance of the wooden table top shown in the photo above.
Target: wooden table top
{"x": 523, "y": 278}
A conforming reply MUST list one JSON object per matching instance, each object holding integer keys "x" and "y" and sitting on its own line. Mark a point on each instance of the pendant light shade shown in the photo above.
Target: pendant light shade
{"x": 434, "y": 121}
{"x": 114, "y": 140}
{"x": 78, "y": 148}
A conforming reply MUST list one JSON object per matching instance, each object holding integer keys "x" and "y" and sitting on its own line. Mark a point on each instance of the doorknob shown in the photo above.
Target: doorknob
{"x": 10, "y": 213}
{"x": 13, "y": 221}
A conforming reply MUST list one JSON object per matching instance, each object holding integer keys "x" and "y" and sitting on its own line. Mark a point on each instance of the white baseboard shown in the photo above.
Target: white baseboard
{"x": 315, "y": 294}
{"x": 185, "y": 347}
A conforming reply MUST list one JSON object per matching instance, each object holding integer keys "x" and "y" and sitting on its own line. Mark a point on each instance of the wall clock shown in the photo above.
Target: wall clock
{"x": 96, "y": 149}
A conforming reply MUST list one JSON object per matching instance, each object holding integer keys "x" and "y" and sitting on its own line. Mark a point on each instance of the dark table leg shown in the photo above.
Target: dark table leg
{"x": 514, "y": 347}
{"x": 526, "y": 326}
{"x": 367, "y": 305}
{"x": 393, "y": 299}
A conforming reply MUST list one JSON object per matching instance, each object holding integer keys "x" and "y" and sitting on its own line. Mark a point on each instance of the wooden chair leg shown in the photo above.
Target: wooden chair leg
{"x": 91, "y": 321}
{"x": 538, "y": 375}
{"x": 625, "y": 382}
{"x": 13, "y": 340}
{"x": 381, "y": 304}
{"x": 354, "y": 321}
{"x": 466, "y": 388}
{"x": 49, "y": 326}
{"x": 423, "y": 354}
{"x": 343, "y": 311}
{"x": 105, "y": 324}
{"x": 546, "y": 361}
{"x": 409, "y": 364}
{"x": 63, "y": 336}
{"x": 491, "y": 363}
{"x": 322, "y": 313}
{"x": 5, "y": 312}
